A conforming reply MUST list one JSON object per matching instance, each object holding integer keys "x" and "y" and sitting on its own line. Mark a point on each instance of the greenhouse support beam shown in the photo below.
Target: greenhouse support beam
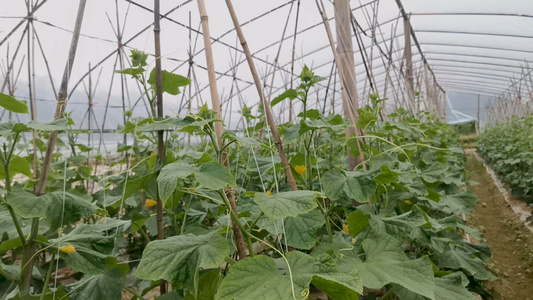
{"x": 266, "y": 106}
{"x": 412, "y": 33}
{"x": 213, "y": 89}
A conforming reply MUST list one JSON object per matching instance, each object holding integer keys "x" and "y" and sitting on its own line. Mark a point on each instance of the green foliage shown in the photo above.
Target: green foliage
{"x": 13, "y": 105}
{"x": 507, "y": 147}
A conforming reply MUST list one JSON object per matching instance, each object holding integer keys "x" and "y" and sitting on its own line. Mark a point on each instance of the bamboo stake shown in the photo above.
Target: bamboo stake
{"x": 343, "y": 80}
{"x": 268, "y": 111}
{"x": 60, "y": 108}
{"x": 160, "y": 133}
{"x": 239, "y": 239}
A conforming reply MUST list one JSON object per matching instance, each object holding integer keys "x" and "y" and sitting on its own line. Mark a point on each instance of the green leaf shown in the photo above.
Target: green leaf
{"x": 65, "y": 208}
{"x": 211, "y": 175}
{"x": 462, "y": 202}
{"x": 92, "y": 249}
{"x": 215, "y": 176}
{"x": 387, "y": 263}
{"x": 138, "y": 58}
{"x": 171, "y": 82}
{"x": 13, "y": 104}
{"x": 27, "y": 205}
{"x": 357, "y": 221}
{"x": 301, "y": 231}
{"x": 59, "y": 124}
{"x": 207, "y": 286}
{"x": 290, "y": 93}
{"x": 18, "y": 165}
{"x": 458, "y": 259}
{"x": 287, "y": 204}
{"x": 399, "y": 226}
{"x": 366, "y": 117}
{"x": 452, "y": 287}
{"x": 132, "y": 71}
{"x": 177, "y": 258}
{"x": 105, "y": 286}
{"x": 352, "y": 185}
{"x": 257, "y": 277}
{"x": 323, "y": 273}
{"x": 387, "y": 176}
{"x": 167, "y": 180}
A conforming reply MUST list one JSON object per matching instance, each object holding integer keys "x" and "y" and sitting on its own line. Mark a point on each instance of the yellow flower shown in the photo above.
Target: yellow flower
{"x": 341, "y": 255}
{"x": 192, "y": 190}
{"x": 408, "y": 202}
{"x": 150, "y": 203}
{"x": 300, "y": 169}
{"x": 269, "y": 193}
{"x": 427, "y": 136}
{"x": 67, "y": 249}
{"x": 340, "y": 166}
{"x": 316, "y": 177}
{"x": 345, "y": 229}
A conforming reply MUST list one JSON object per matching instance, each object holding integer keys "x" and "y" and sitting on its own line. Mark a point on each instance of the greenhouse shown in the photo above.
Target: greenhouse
{"x": 282, "y": 149}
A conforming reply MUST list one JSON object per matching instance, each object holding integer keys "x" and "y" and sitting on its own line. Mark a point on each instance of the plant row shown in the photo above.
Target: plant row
{"x": 391, "y": 228}
{"x": 508, "y": 148}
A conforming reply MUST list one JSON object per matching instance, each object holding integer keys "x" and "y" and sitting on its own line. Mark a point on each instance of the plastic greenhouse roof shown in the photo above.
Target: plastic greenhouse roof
{"x": 476, "y": 46}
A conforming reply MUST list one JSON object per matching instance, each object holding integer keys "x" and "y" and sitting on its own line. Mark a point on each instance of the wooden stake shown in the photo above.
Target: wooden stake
{"x": 268, "y": 111}
{"x": 346, "y": 103}
{"x": 239, "y": 239}
{"x": 60, "y": 108}
{"x": 160, "y": 133}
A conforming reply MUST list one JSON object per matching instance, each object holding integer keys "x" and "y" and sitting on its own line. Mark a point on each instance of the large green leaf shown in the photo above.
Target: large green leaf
{"x": 13, "y": 104}
{"x": 301, "y": 231}
{"x": 105, "y": 286}
{"x": 167, "y": 180}
{"x": 452, "y": 287}
{"x": 59, "y": 124}
{"x": 65, "y": 208}
{"x": 211, "y": 175}
{"x": 287, "y": 204}
{"x": 459, "y": 259}
{"x": 462, "y": 202}
{"x": 387, "y": 263}
{"x": 290, "y": 93}
{"x": 352, "y": 185}
{"x": 215, "y": 176}
{"x": 323, "y": 273}
{"x": 27, "y": 205}
{"x": 400, "y": 227}
{"x": 177, "y": 258}
{"x": 92, "y": 249}
{"x": 260, "y": 277}
{"x": 18, "y": 165}
{"x": 357, "y": 221}
{"x": 171, "y": 82}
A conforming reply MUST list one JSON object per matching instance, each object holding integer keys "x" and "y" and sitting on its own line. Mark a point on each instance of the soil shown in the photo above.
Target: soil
{"x": 510, "y": 241}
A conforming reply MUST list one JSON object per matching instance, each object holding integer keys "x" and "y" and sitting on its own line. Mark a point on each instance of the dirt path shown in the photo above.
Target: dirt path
{"x": 510, "y": 241}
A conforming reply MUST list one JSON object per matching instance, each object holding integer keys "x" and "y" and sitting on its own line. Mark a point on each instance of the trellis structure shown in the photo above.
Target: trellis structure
{"x": 473, "y": 48}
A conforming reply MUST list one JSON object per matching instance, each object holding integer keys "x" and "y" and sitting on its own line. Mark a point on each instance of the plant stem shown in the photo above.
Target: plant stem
{"x": 238, "y": 223}
{"x": 387, "y": 295}
{"x": 182, "y": 230}
{"x": 257, "y": 220}
{"x": 230, "y": 260}
{"x": 134, "y": 293}
{"x": 328, "y": 225}
{"x": 48, "y": 275}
